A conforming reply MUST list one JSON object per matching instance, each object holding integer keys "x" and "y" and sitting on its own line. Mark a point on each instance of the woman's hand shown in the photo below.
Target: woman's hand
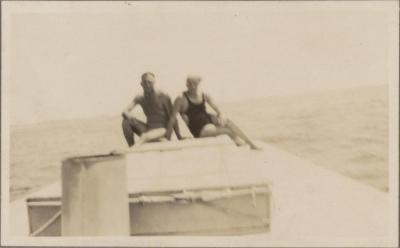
{"x": 221, "y": 120}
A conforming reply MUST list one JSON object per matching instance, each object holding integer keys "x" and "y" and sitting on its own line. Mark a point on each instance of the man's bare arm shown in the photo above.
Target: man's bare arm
{"x": 130, "y": 107}
{"x": 170, "y": 110}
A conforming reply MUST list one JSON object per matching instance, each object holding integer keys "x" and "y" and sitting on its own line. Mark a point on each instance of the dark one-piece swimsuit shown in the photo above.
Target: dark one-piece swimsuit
{"x": 198, "y": 116}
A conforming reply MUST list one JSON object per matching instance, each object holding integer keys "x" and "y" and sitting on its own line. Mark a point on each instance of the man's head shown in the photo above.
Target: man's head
{"x": 192, "y": 83}
{"x": 148, "y": 81}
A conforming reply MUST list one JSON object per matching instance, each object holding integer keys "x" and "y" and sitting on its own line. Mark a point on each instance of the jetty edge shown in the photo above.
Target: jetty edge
{"x": 305, "y": 202}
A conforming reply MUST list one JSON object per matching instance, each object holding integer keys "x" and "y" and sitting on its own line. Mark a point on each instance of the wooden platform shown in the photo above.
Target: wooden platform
{"x": 309, "y": 203}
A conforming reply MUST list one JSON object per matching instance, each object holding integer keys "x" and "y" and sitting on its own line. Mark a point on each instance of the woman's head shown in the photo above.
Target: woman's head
{"x": 192, "y": 83}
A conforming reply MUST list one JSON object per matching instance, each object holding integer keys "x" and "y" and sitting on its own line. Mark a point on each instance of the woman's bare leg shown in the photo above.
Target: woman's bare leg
{"x": 211, "y": 130}
{"x": 239, "y": 133}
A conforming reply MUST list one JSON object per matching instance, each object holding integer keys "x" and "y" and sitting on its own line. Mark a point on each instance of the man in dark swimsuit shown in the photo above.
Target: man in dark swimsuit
{"x": 157, "y": 106}
{"x": 192, "y": 107}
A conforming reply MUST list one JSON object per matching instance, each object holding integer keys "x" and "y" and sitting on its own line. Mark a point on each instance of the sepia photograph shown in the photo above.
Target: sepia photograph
{"x": 200, "y": 123}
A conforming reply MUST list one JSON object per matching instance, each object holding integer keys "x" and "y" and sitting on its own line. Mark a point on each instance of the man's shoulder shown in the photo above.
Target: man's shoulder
{"x": 182, "y": 99}
{"x": 182, "y": 96}
{"x": 163, "y": 94}
{"x": 179, "y": 98}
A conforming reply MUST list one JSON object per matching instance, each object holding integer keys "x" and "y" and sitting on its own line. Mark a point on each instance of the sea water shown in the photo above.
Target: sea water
{"x": 345, "y": 131}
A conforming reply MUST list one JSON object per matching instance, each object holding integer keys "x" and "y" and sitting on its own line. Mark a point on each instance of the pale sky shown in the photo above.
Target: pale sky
{"x": 78, "y": 60}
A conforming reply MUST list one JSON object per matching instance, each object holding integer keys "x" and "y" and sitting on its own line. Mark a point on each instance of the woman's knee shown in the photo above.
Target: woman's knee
{"x": 227, "y": 122}
{"x": 224, "y": 130}
{"x": 208, "y": 130}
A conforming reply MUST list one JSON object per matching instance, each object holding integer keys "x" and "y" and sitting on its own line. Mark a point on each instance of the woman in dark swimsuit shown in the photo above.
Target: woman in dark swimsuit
{"x": 192, "y": 107}
{"x": 197, "y": 115}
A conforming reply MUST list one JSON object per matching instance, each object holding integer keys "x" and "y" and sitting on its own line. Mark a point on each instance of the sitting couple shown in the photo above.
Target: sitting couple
{"x": 161, "y": 115}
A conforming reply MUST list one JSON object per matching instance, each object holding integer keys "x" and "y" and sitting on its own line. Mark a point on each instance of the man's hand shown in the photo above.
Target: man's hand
{"x": 186, "y": 137}
{"x": 180, "y": 137}
{"x": 168, "y": 134}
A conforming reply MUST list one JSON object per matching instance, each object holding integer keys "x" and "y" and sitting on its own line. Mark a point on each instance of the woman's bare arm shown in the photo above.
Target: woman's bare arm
{"x": 212, "y": 104}
{"x": 172, "y": 118}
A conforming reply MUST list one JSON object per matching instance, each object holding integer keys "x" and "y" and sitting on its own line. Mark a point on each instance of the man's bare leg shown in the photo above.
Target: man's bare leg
{"x": 151, "y": 135}
{"x": 130, "y": 127}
